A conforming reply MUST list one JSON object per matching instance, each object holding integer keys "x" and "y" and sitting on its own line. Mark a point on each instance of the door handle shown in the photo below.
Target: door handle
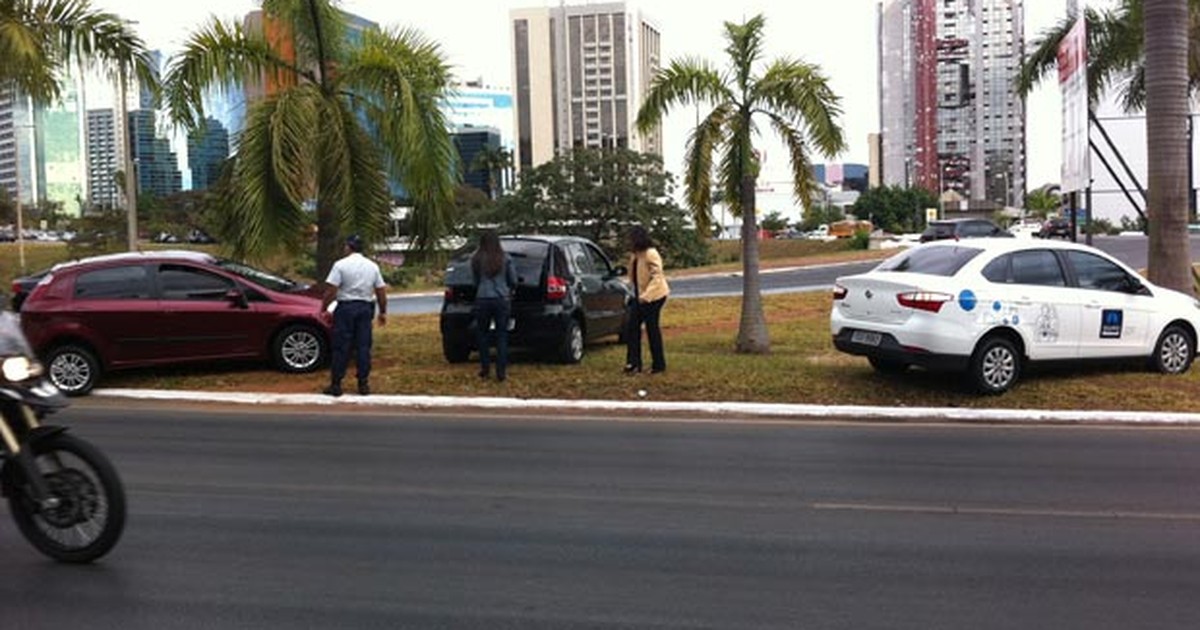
{"x": 1093, "y": 305}
{"x": 1023, "y": 301}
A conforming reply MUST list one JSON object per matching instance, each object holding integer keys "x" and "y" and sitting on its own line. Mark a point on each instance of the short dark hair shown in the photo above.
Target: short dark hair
{"x": 354, "y": 242}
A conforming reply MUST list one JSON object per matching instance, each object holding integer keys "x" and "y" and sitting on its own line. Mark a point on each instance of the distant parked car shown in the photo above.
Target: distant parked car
{"x": 139, "y": 309}
{"x": 568, "y": 293}
{"x": 1055, "y": 227}
{"x": 21, "y": 287}
{"x": 961, "y": 228}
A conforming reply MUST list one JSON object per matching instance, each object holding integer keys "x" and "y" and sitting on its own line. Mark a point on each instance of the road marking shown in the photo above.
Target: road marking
{"x": 1007, "y": 511}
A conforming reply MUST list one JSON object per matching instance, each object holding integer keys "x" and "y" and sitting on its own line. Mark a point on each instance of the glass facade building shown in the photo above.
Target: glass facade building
{"x": 207, "y": 151}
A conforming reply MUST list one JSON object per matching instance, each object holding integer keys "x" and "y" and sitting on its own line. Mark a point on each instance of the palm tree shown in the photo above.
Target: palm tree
{"x": 41, "y": 39}
{"x": 1166, "y": 78}
{"x": 1122, "y": 55}
{"x": 496, "y": 161}
{"x": 334, "y": 123}
{"x": 798, "y": 104}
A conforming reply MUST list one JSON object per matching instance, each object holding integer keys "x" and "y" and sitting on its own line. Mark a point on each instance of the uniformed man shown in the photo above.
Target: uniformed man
{"x": 357, "y": 285}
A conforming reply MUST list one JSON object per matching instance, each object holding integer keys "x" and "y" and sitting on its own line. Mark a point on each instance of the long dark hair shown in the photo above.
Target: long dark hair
{"x": 639, "y": 239}
{"x": 488, "y": 259}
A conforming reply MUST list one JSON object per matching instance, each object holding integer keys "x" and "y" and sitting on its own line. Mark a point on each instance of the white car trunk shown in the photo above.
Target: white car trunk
{"x": 873, "y": 300}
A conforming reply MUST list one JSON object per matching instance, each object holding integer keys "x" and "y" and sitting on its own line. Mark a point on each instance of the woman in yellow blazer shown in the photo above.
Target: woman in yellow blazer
{"x": 650, "y": 292}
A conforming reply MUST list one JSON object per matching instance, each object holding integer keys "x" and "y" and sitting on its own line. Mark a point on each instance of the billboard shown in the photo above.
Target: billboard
{"x": 1072, "y": 80}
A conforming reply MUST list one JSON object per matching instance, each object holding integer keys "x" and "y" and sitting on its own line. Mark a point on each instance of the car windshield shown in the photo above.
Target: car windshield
{"x": 258, "y": 276}
{"x": 933, "y": 260}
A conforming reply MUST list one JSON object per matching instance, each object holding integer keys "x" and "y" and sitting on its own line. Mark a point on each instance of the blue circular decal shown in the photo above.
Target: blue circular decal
{"x": 996, "y": 306}
{"x": 1016, "y": 320}
{"x": 966, "y": 300}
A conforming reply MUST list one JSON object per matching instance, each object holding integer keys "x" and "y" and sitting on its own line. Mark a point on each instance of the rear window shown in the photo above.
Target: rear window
{"x": 528, "y": 257}
{"x": 935, "y": 261}
{"x": 940, "y": 230}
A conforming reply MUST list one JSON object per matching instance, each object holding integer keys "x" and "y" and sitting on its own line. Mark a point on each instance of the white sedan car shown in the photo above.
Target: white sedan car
{"x": 986, "y": 306}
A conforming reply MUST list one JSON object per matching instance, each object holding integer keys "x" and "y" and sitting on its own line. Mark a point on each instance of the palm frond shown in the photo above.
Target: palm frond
{"x": 685, "y": 81}
{"x": 800, "y": 94}
{"x": 803, "y": 185}
{"x": 217, "y": 55}
{"x": 400, "y": 80}
{"x": 702, "y": 141}
{"x": 368, "y": 203}
{"x": 41, "y": 37}
{"x": 269, "y": 217}
{"x": 744, "y": 47}
{"x": 738, "y": 160}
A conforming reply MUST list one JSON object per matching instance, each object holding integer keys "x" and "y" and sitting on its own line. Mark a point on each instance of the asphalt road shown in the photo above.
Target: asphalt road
{"x": 1132, "y": 250}
{"x": 265, "y": 519}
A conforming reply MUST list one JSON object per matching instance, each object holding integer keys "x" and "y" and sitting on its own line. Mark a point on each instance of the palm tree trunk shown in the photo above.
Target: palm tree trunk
{"x": 1166, "y": 23}
{"x": 752, "y": 330}
{"x": 329, "y": 248}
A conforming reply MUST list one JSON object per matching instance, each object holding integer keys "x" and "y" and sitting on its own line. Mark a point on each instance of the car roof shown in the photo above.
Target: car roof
{"x": 1008, "y": 244}
{"x": 154, "y": 255}
{"x": 959, "y": 220}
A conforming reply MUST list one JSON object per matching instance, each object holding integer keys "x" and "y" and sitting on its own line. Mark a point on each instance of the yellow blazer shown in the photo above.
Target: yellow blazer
{"x": 652, "y": 282}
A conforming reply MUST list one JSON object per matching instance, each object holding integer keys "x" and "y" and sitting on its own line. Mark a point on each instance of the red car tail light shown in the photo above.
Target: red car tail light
{"x": 449, "y": 294}
{"x": 556, "y": 288}
{"x": 839, "y": 292}
{"x": 924, "y": 300}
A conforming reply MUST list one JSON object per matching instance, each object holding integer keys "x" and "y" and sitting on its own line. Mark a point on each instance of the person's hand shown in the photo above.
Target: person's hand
{"x": 382, "y": 319}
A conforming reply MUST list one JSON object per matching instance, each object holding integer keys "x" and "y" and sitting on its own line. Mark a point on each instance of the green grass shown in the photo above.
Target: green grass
{"x": 803, "y": 366}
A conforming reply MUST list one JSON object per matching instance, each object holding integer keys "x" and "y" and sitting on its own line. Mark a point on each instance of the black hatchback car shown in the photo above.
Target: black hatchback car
{"x": 568, "y": 293}
{"x": 960, "y": 229}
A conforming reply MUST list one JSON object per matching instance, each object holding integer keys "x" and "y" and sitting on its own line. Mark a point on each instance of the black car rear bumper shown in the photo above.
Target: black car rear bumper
{"x": 890, "y": 350}
{"x": 542, "y": 327}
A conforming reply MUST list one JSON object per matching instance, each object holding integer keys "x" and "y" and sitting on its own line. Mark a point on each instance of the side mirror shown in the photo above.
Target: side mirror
{"x": 236, "y": 297}
{"x": 619, "y": 271}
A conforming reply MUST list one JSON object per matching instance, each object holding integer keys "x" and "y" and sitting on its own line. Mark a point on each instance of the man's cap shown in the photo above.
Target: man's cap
{"x": 354, "y": 242}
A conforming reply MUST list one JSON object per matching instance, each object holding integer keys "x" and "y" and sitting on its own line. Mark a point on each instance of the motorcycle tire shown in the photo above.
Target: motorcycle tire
{"x": 90, "y": 515}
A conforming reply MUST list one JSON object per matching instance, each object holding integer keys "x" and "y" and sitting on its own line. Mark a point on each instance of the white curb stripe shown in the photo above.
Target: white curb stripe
{"x": 777, "y": 410}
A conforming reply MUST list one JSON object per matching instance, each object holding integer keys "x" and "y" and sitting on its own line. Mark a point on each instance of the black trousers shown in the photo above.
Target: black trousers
{"x": 645, "y": 313}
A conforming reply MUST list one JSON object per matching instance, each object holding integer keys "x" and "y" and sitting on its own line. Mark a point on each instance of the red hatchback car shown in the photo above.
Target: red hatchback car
{"x": 153, "y": 308}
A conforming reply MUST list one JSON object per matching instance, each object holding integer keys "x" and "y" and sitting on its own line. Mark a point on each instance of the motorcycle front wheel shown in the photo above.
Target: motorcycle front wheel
{"x": 86, "y": 515}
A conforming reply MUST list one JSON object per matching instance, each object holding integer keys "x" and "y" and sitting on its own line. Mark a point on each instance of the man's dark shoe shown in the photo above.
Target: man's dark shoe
{"x": 364, "y": 389}
{"x": 333, "y": 390}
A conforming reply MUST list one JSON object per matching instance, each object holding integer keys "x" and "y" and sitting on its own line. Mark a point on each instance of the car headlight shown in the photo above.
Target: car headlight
{"x": 17, "y": 369}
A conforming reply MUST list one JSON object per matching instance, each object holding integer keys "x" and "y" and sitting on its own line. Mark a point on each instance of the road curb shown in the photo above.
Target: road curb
{"x": 708, "y": 409}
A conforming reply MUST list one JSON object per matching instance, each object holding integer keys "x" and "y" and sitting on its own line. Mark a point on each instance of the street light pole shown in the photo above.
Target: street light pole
{"x": 130, "y": 176}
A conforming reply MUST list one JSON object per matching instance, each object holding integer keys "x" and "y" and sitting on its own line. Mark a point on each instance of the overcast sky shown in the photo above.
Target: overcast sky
{"x": 838, "y": 35}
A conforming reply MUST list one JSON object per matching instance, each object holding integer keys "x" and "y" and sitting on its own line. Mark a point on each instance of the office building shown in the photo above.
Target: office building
{"x": 154, "y": 162}
{"x": 475, "y": 104}
{"x": 105, "y": 157}
{"x": 580, "y": 74}
{"x": 207, "y": 150}
{"x": 471, "y": 142}
{"x": 950, "y": 116}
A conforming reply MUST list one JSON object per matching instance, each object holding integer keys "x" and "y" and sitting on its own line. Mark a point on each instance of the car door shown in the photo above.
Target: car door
{"x": 1115, "y": 319}
{"x": 1030, "y": 299}
{"x": 613, "y": 292}
{"x": 115, "y": 308}
{"x": 201, "y": 317}
{"x": 590, "y": 285}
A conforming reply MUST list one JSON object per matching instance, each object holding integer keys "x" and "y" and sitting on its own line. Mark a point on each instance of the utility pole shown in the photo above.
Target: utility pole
{"x": 130, "y": 176}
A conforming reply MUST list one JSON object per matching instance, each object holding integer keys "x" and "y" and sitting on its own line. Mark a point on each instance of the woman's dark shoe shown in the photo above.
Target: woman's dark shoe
{"x": 483, "y": 374}
{"x": 632, "y": 369}
{"x": 658, "y": 370}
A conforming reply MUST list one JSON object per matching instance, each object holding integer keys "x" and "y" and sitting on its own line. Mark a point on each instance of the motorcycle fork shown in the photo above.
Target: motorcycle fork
{"x": 24, "y": 457}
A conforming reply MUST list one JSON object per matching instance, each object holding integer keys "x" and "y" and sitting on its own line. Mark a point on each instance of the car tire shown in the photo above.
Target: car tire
{"x": 995, "y": 366}
{"x": 73, "y": 369}
{"x": 570, "y": 350}
{"x": 455, "y": 352}
{"x": 887, "y": 366}
{"x": 1174, "y": 351}
{"x": 299, "y": 348}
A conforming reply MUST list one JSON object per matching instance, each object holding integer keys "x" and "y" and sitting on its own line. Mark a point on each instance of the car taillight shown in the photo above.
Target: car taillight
{"x": 924, "y": 300}
{"x": 556, "y": 288}
{"x": 449, "y": 294}
{"x": 839, "y": 292}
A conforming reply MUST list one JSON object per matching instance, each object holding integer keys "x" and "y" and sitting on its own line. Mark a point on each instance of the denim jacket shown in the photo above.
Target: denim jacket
{"x": 499, "y": 286}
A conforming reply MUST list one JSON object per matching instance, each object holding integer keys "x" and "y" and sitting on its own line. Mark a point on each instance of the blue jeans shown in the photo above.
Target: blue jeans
{"x": 352, "y": 329}
{"x": 487, "y": 312}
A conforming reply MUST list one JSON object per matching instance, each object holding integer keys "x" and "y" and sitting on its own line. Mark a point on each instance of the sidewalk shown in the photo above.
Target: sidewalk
{"x": 704, "y": 410}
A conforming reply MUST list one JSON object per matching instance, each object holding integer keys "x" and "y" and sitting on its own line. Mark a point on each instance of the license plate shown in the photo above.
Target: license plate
{"x": 866, "y": 338}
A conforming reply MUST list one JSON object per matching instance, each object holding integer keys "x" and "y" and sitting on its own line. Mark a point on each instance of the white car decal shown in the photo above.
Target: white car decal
{"x": 1046, "y": 323}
